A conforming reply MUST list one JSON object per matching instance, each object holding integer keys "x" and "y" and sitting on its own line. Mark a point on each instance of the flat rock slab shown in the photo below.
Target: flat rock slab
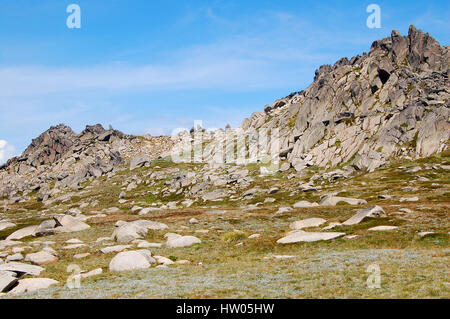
{"x": 22, "y": 233}
{"x": 370, "y": 212}
{"x": 305, "y": 204}
{"x": 7, "y": 280}
{"x": 68, "y": 224}
{"x": 128, "y": 260}
{"x": 21, "y": 268}
{"x": 6, "y": 225}
{"x": 306, "y": 223}
{"x": 32, "y": 284}
{"x": 334, "y": 200}
{"x": 112, "y": 249}
{"x": 182, "y": 241}
{"x": 41, "y": 258}
{"x": 383, "y": 228}
{"x": 302, "y": 236}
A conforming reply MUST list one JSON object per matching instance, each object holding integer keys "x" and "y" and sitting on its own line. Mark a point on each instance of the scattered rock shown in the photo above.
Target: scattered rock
{"x": 302, "y": 236}
{"x": 306, "y": 223}
{"x": 32, "y": 284}
{"x": 41, "y": 258}
{"x": 370, "y": 212}
{"x": 128, "y": 260}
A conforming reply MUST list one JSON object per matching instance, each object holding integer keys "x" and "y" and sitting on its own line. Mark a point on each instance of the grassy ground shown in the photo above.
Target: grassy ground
{"x": 227, "y": 264}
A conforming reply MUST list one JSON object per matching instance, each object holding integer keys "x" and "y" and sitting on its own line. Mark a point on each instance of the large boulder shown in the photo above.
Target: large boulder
{"x": 129, "y": 260}
{"x": 127, "y": 232}
{"x": 6, "y": 225}
{"x": 68, "y": 224}
{"x": 22, "y": 233}
{"x": 7, "y": 280}
{"x": 334, "y": 200}
{"x": 178, "y": 241}
{"x": 138, "y": 161}
{"x": 32, "y": 284}
{"x": 21, "y": 268}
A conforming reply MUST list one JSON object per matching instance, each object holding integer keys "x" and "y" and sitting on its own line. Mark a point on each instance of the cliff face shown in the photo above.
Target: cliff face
{"x": 393, "y": 101}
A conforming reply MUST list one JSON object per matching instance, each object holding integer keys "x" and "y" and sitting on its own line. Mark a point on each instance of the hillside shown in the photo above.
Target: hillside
{"x": 362, "y": 180}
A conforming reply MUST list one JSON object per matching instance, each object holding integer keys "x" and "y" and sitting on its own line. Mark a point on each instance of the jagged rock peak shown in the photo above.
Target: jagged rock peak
{"x": 50, "y": 145}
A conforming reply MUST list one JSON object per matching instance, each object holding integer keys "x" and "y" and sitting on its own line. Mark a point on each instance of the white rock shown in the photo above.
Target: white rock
{"x": 302, "y": 236}
{"x": 15, "y": 257}
{"x": 22, "y": 233}
{"x": 409, "y": 199}
{"x": 254, "y": 236}
{"x": 383, "y": 228}
{"x": 334, "y": 200}
{"x": 193, "y": 221}
{"x": 282, "y": 210}
{"x": 32, "y": 284}
{"x": 91, "y": 273}
{"x": 425, "y": 233}
{"x": 306, "y": 223}
{"x": 7, "y": 280}
{"x": 6, "y": 225}
{"x": 370, "y": 212}
{"x": 128, "y": 260}
{"x": 41, "y": 258}
{"x": 163, "y": 260}
{"x": 182, "y": 241}
{"x": 113, "y": 249}
{"x": 305, "y": 204}
{"x": 332, "y": 225}
{"x": 21, "y": 268}
{"x": 73, "y": 241}
{"x": 68, "y": 224}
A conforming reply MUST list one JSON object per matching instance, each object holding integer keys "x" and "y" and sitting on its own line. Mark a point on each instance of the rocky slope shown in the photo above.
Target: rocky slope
{"x": 137, "y": 224}
{"x": 59, "y": 159}
{"x": 358, "y": 113}
{"x": 393, "y": 101}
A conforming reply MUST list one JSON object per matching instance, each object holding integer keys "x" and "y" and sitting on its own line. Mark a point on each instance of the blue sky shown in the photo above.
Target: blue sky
{"x": 151, "y": 66}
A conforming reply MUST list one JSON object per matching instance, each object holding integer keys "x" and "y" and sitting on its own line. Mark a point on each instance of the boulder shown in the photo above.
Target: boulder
{"x": 21, "y": 269}
{"x": 302, "y": 236}
{"x": 306, "y": 223}
{"x": 7, "y": 280}
{"x": 22, "y": 233}
{"x": 117, "y": 248}
{"x": 127, "y": 232}
{"x": 370, "y": 212}
{"x": 182, "y": 241}
{"x": 305, "y": 204}
{"x": 214, "y": 195}
{"x": 68, "y": 224}
{"x": 6, "y": 225}
{"x": 383, "y": 228}
{"x": 138, "y": 161}
{"x": 128, "y": 260}
{"x": 334, "y": 200}
{"x": 41, "y": 258}
{"x": 32, "y": 284}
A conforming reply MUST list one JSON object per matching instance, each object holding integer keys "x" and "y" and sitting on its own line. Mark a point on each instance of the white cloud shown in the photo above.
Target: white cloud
{"x": 6, "y": 151}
